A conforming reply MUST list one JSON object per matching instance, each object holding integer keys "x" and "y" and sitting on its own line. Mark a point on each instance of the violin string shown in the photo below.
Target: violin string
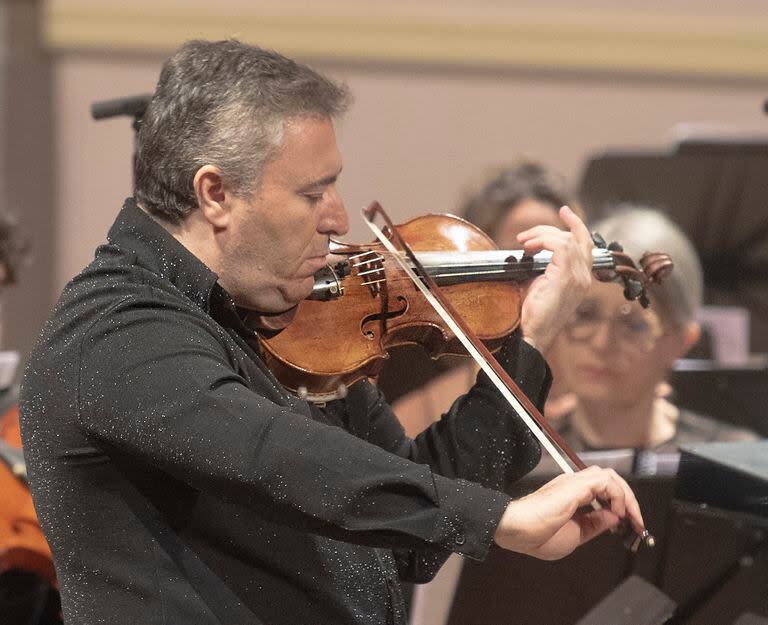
{"x": 466, "y": 270}
{"x": 599, "y": 255}
{"x": 506, "y": 273}
{"x": 530, "y": 262}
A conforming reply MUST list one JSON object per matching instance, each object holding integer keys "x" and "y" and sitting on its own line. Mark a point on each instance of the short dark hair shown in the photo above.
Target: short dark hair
{"x": 507, "y": 187}
{"x": 222, "y": 103}
{"x": 14, "y": 248}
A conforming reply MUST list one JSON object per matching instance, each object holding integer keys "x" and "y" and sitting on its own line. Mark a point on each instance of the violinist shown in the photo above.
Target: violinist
{"x": 176, "y": 479}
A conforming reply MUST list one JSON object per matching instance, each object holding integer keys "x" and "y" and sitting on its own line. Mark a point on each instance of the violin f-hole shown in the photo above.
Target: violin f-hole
{"x": 382, "y": 317}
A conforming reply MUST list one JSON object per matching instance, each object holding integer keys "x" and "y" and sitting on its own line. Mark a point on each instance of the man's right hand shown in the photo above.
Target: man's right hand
{"x": 548, "y": 524}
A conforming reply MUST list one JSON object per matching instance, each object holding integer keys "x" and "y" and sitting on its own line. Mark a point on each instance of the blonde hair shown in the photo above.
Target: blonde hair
{"x": 641, "y": 229}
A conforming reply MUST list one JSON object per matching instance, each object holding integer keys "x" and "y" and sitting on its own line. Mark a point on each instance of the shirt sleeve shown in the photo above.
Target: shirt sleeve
{"x": 481, "y": 438}
{"x": 158, "y": 384}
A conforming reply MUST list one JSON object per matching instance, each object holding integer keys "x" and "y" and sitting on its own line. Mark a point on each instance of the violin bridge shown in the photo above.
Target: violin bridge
{"x": 370, "y": 264}
{"x": 367, "y": 258}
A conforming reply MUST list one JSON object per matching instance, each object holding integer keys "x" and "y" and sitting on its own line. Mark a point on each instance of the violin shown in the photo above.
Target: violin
{"x": 365, "y": 304}
{"x": 375, "y": 299}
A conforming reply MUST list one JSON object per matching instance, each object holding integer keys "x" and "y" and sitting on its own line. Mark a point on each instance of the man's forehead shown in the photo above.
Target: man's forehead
{"x": 308, "y": 153}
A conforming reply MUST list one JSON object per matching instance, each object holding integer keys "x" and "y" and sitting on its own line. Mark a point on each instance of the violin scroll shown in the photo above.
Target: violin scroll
{"x": 654, "y": 268}
{"x": 656, "y": 265}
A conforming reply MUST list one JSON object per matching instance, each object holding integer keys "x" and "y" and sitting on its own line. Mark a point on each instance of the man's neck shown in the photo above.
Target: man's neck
{"x": 193, "y": 233}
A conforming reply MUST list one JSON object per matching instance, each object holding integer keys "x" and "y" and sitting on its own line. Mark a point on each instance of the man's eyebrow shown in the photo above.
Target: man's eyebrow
{"x": 323, "y": 182}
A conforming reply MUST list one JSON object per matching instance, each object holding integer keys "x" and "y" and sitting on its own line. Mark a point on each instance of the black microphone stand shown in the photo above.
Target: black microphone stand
{"x": 130, "y": 106}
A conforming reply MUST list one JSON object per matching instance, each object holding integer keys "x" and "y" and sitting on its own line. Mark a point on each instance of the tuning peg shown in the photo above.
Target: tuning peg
{"x": 598, "y": 240}
{"x": 633, "y": 290}
{"x": 615, "y": 246}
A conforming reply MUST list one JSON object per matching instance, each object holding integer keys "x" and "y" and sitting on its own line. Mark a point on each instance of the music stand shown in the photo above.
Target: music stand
{"x": 736, "y": 394}
{"x": 510, "y": 587}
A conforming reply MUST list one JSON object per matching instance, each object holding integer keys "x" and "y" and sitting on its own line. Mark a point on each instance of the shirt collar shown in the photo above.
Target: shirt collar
{"x": 159, "y": 252}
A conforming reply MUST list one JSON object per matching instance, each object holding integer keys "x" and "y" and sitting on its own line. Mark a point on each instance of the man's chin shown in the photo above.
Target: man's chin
{"x": 300, "y": 293}
{"x": 279, "y": 300}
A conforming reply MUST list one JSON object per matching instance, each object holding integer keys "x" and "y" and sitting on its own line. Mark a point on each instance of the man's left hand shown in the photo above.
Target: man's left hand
{"x": 553, "y": 297}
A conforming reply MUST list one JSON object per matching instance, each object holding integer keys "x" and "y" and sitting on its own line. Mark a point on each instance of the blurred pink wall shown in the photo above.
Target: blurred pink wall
{"x": 413, "y": 139}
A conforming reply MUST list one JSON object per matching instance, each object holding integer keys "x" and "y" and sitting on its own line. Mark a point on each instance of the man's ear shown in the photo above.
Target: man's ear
{"x": 212, "y": 198}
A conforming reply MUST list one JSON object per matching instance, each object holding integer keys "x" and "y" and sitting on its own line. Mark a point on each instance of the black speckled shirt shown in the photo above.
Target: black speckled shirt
{"x": 179, "y": 483}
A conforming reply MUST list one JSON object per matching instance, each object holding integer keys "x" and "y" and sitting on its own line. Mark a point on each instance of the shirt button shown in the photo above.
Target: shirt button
{"x": 460, "y": 539}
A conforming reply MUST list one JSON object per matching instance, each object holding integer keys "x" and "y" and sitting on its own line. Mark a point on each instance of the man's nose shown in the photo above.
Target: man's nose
{"x": 335, "y": 219}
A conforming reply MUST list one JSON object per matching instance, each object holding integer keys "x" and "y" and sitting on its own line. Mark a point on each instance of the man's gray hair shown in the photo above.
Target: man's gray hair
{"x": 640, "y": 229}
{"x": 222, "y": 103}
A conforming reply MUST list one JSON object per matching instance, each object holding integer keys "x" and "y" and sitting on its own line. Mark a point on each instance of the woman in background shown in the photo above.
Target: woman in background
{"x": 614, "y": 356}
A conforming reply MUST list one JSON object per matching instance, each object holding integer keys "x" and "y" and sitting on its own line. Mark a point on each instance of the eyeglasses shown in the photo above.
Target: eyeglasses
{"x": 633, "y": 327}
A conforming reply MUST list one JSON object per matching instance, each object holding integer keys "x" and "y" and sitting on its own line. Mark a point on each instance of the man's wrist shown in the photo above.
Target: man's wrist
{"x": 471, "y": 515}
{"x": 505, "y": 530}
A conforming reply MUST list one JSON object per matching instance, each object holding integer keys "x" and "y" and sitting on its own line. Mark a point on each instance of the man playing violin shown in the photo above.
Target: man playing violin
{"x": 177, "y": 481}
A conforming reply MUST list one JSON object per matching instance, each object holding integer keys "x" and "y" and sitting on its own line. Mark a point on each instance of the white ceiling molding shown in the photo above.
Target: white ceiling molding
{"x": 617, "y": 38}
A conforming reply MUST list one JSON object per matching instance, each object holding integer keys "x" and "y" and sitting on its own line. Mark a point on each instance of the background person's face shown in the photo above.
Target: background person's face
{"x": 524, "y": 215}
{"x": 614, "y": 351}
